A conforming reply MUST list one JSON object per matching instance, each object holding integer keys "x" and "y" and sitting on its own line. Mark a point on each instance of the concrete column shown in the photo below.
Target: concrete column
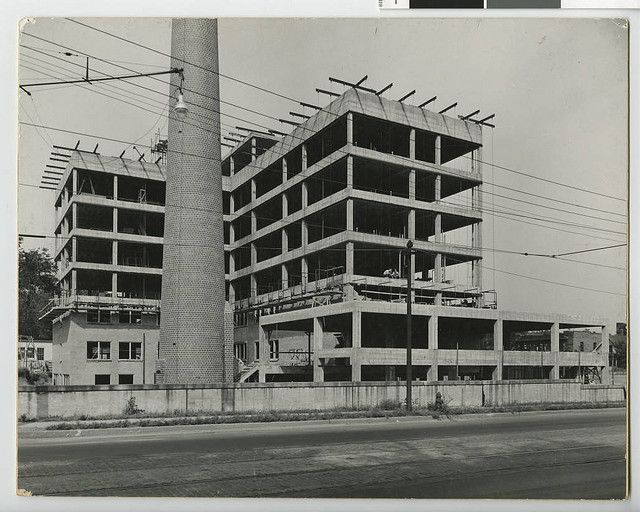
{"x": 254, "y": 222}
{"x": 304, "y": 269}
{"x": 349, "y": 220}
{"x": 115, "y": 220}
{"x": 74, "y": 181}
{"x": 232, "y": 263}
{"x": 254, "y": 285}
{"x": 437, "y": 270}
{"x": 285, "y": 205}
{"x": 555, "y": 350}
{"x": 115, "y": 186}
{"x": 232, "y": 169}
{"x": 232, "y": 233}
{"x": 254, "y": 254}
{"x": 606, "y": 375}
{"x": 498, "y": 349}
{"x": 318, "y": 370}
{"x": 437, "y": 187}
{"x": 253, "y": 149}
{"x": 253, "y": 189}
{"x": 356, "y": 329}
{"x": 438, "y": 150}
{"x": 114, "y": 252}
{"x": 411, "y": 224}
{"x": 412, "y": 184}
{"x": 74, "y": 282}
{"x": 476, "y": 237}
{"x": 285, "y": 241}
{"x": 263, "y": 348}
{"x": 304, "y": 235}
{"x": 349, "y": 127}
{"x": 349, "y": 252}
{"x": 432, "y": 329}
{"x": 284, "y": 276}
{"x": 305, "y": 195}
{"x": 232, "y": 293}
{"x": 412, "y": 143}
{"x": 284, "y": 170}
{"x": 356, "y": 368}
{"x": 349, "y": 171}
{"x": 232, "y": 203}
{"x": 114, "y": 284}
{"x": 74, "y": 249}
{"x": 74, "y": 215}
{"x": 304, "y": 157}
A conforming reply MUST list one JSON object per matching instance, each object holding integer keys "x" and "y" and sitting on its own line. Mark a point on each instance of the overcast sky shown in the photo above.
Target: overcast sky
{"x": 558, "y": 89}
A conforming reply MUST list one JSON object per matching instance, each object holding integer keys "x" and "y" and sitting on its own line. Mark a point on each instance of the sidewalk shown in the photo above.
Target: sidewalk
{"x": 111, "y": 427}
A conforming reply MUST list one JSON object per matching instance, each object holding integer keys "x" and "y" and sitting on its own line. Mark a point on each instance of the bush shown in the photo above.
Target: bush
{"x": 33, "y": 378}
{"x": 439, "y": 407}
{"x": 131, "y": 409}
{"x": 389, "y": 404}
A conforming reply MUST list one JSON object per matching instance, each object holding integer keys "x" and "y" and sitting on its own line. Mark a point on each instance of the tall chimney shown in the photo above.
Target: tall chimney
{"x": 192, "y": 333}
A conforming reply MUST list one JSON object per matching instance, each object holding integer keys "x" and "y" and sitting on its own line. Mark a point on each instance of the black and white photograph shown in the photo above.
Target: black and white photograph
{"x": 297, "y": 257}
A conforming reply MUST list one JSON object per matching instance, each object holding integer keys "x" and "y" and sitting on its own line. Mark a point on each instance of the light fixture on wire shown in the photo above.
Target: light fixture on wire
{"x": 180, "y": 107}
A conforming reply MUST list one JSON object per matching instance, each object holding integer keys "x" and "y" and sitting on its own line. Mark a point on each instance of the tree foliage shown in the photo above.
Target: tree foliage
{"x": 36, "y": 286}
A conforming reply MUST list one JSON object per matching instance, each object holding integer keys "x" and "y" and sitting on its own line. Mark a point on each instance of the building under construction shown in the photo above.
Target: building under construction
{"x": 316, "y": 224}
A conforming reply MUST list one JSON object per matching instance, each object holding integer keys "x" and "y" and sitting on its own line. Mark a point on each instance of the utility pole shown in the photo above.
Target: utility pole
{"x": 409, "y": 293}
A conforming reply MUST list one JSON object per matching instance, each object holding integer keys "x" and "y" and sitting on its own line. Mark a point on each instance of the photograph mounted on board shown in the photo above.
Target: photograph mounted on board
{"x": 235, "y": 230}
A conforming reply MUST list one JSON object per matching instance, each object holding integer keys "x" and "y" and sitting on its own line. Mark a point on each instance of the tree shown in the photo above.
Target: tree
{"x": 36, "y": 286}
{"x": 618, "y": 347}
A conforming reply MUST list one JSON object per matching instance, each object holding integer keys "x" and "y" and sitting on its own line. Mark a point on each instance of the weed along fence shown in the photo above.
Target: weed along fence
{"x": 39, "y": 402}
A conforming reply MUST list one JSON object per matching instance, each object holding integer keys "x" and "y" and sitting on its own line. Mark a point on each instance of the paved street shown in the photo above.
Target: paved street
{"x": 563, "y": 454}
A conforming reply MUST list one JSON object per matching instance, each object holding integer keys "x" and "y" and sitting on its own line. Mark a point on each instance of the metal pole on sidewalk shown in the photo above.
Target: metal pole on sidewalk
{"x": 409, "y": 293}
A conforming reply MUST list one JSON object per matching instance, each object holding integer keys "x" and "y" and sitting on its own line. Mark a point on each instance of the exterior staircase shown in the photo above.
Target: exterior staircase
{"x": 246, "y": 371}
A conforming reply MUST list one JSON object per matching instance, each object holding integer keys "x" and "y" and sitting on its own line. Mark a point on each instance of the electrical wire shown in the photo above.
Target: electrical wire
{"x": 274, "y": 118}
{"x": 298, "y": 102}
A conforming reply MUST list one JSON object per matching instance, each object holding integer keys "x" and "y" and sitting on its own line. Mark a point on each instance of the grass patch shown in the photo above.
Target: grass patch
{"x": 436, "y": 411}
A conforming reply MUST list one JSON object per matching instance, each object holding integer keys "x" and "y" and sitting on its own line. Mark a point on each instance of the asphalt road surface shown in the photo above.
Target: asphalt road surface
{"x": 562, "y": 454}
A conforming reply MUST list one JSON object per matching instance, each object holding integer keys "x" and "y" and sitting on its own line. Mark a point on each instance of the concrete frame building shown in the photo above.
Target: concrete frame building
{"x": 315, "y": 228}
{"x": 317, "y": 264}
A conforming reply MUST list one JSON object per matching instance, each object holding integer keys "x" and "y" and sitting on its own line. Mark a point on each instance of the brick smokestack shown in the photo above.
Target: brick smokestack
{"x": 192, "y": 330}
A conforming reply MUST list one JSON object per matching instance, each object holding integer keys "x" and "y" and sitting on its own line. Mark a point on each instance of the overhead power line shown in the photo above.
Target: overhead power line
{"x": 208, "y": 158}
{"x": 263, "y": 89}
{"x": 274, "y": 118}
{"x": 589, "y": 250}
{"x": 298, "y": 101}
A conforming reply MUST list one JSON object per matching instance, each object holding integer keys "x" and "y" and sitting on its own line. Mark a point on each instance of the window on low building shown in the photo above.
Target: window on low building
{"x": 98, "y": 316}
{"x": 30, "y": 354}
{"x": 130, "y": 350}
{"x": 99, "y": 350}
{"x": 125, "y": 378}
{"x": 40, "y": 353}
{"x": 257, "y": 350}
{"x": 130, "y": 317}
{"x": 274, "y": 350}
{"x": 240, "y": 350}
{"x": 101, "y": 379}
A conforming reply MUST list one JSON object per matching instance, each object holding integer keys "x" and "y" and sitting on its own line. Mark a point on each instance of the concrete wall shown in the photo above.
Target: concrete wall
{"x": 45, "y": 401}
